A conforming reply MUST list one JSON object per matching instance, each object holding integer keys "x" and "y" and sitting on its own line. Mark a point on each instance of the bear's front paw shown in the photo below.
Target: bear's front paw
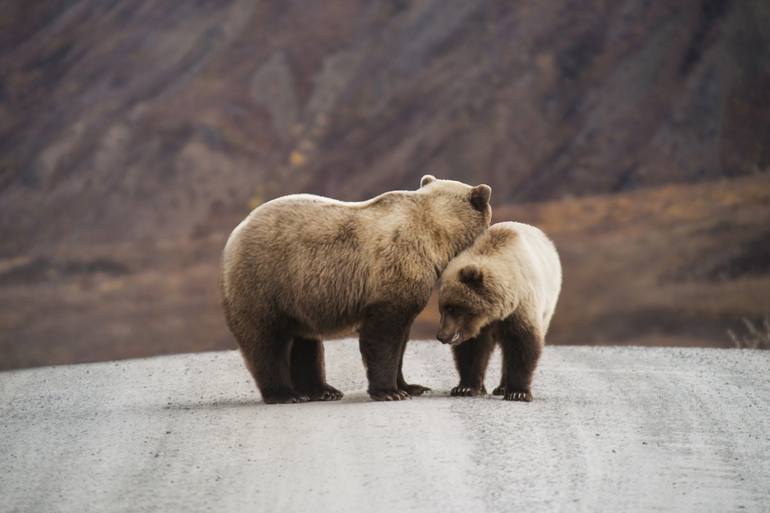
{"x": 324, "y": 393}
{"x": 518, "y": 395}
{"x": 413, "y": 389}
{"x": 500, "y": 390}
{"x": 283, "y": 396}
{"x": 467, "y": 391}
{"x": 389, "y": 395}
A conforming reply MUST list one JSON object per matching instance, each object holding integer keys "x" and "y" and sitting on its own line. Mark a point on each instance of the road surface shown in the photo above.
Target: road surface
{"x": 611, "y": 429}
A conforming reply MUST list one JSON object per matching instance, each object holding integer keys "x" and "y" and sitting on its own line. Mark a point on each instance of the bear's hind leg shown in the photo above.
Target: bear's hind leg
{"x": 411, "y": 389}
{"x": 267, "y": 358}
{"x": 471, "y": 359}
{"x": 522, "y": 345}
{"x": 308, "y": 374}
{"x": 500, "y": 389}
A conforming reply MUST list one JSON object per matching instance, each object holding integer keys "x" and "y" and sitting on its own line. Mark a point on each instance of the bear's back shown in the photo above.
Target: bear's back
{"x": 319, "y": 258}
{"x": 525, "y": 260}
{"x": 300, "y": 244}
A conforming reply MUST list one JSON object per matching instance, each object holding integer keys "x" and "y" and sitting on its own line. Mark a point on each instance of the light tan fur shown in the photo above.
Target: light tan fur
{"x": 505, "y": 286}
{"x": 521, "y": 273}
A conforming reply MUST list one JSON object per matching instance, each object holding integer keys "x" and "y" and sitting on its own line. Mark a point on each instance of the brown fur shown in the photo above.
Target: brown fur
{"x": 303, "y": 267}
{"x": 521, "y": 345}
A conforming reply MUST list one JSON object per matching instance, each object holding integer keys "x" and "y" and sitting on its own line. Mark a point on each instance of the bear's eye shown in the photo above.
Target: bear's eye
{"x": 451, "y": 310}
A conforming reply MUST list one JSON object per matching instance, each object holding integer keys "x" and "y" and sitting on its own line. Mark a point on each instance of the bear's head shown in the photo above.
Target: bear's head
{"x": 461, "y": 211}
{"x": 467, "y": 303}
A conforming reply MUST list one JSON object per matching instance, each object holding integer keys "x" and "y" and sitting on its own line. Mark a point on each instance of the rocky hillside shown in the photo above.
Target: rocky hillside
{"x": 154, "y": 120}
{"x": 134, "y": 136}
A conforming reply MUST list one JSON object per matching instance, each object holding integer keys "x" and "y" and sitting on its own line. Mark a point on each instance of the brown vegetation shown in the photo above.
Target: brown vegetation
{"x": 651, "y": 267}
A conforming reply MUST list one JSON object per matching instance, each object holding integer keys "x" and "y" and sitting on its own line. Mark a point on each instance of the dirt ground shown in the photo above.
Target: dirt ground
{"x": 611, "y": 429}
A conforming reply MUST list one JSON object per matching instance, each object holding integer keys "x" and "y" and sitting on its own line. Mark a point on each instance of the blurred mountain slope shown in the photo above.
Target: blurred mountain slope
{"x": 150, "y": 120}
{"x": 640, "y": 268}
{"x": 135, "y": 135}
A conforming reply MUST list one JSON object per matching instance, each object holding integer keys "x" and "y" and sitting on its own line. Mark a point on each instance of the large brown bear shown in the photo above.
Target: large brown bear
{"x": 302, "y": 267}
{"x": 502, "y": 290}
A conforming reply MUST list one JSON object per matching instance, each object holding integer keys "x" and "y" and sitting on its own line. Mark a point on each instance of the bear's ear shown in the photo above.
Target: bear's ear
{"x": 471, "y": 275}
{"x": 480, "y": 196}
{"x": 426, "y": 180}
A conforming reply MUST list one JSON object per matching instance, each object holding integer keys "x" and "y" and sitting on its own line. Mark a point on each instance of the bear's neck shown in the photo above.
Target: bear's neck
{"x": 444, "y": 242}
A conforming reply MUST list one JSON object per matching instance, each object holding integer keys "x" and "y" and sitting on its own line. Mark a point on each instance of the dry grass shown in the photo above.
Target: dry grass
{"x": 756, "y": 336}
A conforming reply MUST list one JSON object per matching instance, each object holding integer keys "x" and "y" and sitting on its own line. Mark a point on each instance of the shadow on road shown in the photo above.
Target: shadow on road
{"x": 350, "y": 398}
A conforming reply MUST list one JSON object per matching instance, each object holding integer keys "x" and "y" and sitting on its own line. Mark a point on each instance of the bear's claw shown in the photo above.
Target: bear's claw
{"x": 413, "y": 389}
{"x": 285, "y": 398}
{"x": 518, "y": 395}
{"x": 389, "y": 395}
{"x": 325, "y": 393}
{"x": 466, "y": 391}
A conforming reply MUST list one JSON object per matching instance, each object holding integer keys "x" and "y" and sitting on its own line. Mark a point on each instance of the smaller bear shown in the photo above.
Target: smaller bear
{"x": 503, "y": 289}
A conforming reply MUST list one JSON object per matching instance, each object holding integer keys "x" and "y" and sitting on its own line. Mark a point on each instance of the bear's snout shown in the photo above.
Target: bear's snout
{"x": 449, "y": 338}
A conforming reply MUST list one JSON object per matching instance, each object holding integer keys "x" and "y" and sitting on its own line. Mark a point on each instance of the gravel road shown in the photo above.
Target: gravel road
{"x": 611, "y": 429}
